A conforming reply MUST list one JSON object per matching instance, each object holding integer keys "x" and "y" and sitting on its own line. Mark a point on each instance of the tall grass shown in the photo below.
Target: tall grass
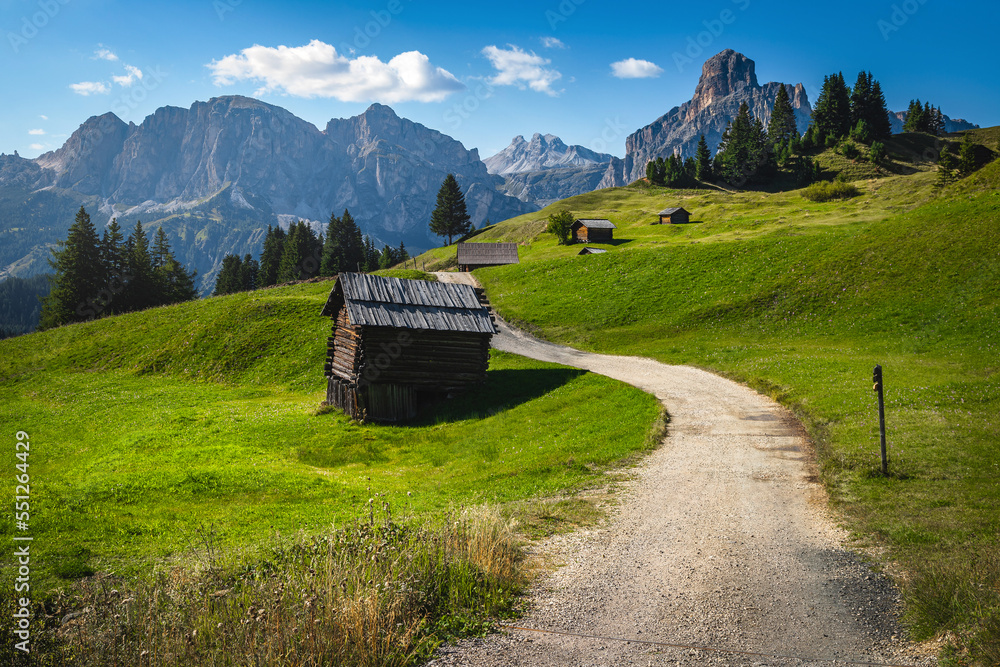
{"x": 377, "y": 592}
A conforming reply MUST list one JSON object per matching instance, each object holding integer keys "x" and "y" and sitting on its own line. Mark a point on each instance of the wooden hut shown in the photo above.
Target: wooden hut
{"x": 593, "y": 230}
{"x": 591, "y": 251}
{"x": 397, "y": 343}
{"x": 674, "y": 216}
{"x": 473, "y": 256}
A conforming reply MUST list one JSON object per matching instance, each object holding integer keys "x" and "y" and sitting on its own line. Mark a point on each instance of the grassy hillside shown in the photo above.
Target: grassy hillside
{"x": 150, "y": 427}
{"x": 801, "y": 300}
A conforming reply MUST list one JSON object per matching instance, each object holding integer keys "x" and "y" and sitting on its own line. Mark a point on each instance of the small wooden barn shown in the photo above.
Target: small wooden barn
{"x": 591, "y": 251}
{"x": 674, "y": 216}
{"x": 473, "y": 256}
{"x": 398, "y": 343}
{"x": 593, "y": 230}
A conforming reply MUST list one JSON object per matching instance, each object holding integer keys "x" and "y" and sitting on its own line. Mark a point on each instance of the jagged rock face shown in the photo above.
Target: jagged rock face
{"x": 238, "y": 160}
{"x": 727, "y": 80}
{"x": 546, "y": 186}
{"x": 84, "y": 162}
{"x": 542, "y": 152}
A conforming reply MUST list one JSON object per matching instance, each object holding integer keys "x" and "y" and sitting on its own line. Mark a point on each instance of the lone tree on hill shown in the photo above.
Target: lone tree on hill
{"x": 561, "y": 225}
{"x": 450, "y": 217}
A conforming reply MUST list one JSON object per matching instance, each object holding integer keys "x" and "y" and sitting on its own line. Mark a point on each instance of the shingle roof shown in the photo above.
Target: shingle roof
{"x": 487, "y": 253}
{"x": 408, "y": 304}
{"x": 671, "y": 211}
{"x": 597, "y": 223}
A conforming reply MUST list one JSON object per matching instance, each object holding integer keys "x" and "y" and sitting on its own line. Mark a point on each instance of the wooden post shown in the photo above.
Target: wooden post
{"x": 877, "y": 378}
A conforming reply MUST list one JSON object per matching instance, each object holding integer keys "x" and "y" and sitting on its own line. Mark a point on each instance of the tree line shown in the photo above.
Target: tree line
{"x": 112, "y": 275}
{"x": 843, "y": 117}
{"x": 301, "y": 254}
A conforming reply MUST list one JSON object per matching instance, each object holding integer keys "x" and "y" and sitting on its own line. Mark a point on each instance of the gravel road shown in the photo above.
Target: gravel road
{"x": 722, "y": 540}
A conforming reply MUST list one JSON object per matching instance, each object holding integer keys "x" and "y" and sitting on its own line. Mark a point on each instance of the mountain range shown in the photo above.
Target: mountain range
{"x": 217, "y": 174}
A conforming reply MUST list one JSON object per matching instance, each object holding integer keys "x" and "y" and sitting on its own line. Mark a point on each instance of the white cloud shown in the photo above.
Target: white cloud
{"x": 36, "y": 132}
{"x": 105, "y": 54}
{"x": 134, "y": 73}
{"x": 87, "y": 88}
{"x": 317, "y": 70}
{"x": 516, "y": 67}
{"x": 553, "y": 43}
{"x": 44, "y": 117}
{"x": 635, "y": 69}
{"x": 36, "y": 147}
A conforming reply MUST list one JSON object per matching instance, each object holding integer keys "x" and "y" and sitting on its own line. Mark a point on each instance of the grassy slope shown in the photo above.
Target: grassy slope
{"x": 801, "y": 300}
{"x": 147, "y": 427}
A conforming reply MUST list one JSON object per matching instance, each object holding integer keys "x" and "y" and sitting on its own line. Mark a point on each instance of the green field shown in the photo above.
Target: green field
{"x": 801, "y": 300}
{"x": 148, "y": 427}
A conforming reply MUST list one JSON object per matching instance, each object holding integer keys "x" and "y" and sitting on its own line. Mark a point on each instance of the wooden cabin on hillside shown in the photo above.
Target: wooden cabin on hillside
{"x": 398, "y": 343}
{"x": 674, "y": 216}
{"x": 473, "y": 256}
{"x": 593, "y": 230}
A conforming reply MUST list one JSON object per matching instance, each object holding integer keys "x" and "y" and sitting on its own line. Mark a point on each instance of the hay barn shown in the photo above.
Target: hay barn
{"x": 587, "y": 230}
{"x": 674, "y": 216}
{"x": 396, "y": 344}
{"x": 473, "y": 256}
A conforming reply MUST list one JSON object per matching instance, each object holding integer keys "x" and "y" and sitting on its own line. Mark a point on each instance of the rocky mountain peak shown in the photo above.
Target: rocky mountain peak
{"x": 728, "y": 80}
{"x": 724, "y": 74}
{"x": 544, "y": 151}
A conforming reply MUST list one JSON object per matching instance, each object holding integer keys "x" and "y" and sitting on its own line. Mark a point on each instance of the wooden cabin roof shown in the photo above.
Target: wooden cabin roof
{"x": 671, "y": 211}
{"x": 487, "y": 253}
{"x": 595, "y": 223}
{"x": 408, "y": 304}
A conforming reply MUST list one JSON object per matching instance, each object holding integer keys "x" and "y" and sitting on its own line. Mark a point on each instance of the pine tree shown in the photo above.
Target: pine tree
{"x": 141, "y": 292}
{"x": 946, "y": 168}
{"x": 230, "y": 276}
{"x": 914, "y": 117}
{"x": 703, "y": 160}
{"x": 876, "y": 154}
{"x": 332, "y": 261}
{"x": 270, "y": 256}
{"x": 832, "y": 113}
{"x": 878, "y": 113}
{"x": 744, "y": 154}
{"x": 249, "y": 272}
{"x": 115, "y": 265}
{"x": 450, "y": 217}
{"x": 782, "y": 129}
{"x": 161, "y": 248}
{"x": 300, "y": 259}
{"x": 179, "y": 281}
{"x": 79, "y": 279}
{"x": 967, "y": 156}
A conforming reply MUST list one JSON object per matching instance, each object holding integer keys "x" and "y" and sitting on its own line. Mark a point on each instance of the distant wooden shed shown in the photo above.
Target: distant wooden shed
{"x": 674, "y": 216}
{"x": 591, "y": 251}
{"x": 398, "y": 343}
{"x": 473, "y": 256}
{"x": 593, "y": 230}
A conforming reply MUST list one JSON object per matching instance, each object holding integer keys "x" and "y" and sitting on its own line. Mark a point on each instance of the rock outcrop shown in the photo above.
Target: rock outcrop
{"x": 728, "y": 79}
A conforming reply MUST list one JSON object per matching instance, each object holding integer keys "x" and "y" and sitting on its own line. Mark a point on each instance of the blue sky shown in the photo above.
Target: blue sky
{"x": 589, "y": 71}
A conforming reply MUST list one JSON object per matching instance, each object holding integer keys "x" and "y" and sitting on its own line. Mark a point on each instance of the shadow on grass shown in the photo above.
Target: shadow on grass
{"x": 503, "y": 390}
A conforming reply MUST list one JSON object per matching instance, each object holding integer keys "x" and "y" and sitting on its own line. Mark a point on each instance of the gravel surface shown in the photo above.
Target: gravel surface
{"x": 722, "y": 540}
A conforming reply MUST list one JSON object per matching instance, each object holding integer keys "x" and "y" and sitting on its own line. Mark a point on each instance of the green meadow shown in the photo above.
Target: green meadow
{"x": 150, "y": 428}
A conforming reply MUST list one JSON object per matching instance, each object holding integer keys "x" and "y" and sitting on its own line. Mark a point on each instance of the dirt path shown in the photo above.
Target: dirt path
{"x": 722, "y": 540}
